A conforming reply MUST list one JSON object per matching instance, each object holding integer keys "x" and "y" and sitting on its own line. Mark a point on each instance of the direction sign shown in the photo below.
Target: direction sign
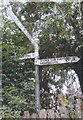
{"x": 19, "y": 24}
{"x": 28, "y": 56}
{"x": 60, "y": 60}
{"x": 37, "y": 61}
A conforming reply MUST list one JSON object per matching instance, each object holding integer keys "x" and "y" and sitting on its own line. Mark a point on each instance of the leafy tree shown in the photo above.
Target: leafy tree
{"x": 18, "y": 76}
{"x": 57, "y": 25}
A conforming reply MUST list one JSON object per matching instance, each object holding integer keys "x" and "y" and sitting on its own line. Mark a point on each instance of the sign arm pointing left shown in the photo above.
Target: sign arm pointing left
{"x": 19, "y": 24}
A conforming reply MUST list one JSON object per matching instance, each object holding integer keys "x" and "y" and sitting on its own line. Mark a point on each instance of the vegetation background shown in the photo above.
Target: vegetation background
{"x": 58, "y": 26}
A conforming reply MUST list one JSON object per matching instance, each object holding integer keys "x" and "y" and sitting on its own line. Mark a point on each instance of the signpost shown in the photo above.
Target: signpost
{"x": 38, "y": 62}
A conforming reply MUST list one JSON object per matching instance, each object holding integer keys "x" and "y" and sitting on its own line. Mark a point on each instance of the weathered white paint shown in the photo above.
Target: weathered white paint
{"x": 27, "y": 56}
{"x": 60, "y": 60}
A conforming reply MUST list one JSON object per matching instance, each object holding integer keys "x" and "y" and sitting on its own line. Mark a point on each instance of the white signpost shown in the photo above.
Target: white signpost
{"x": 38, "y": 62}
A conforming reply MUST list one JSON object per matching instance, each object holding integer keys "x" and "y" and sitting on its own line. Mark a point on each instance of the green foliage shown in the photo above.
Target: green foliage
{"x": 57, "y": 25}
{"x": 18, "y": 76}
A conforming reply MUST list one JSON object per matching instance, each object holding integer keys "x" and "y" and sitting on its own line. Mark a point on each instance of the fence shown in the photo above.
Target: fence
{"x": 59, "y": 111}
{"x": 45, "y": 114}
{"x": 41, "y": 114}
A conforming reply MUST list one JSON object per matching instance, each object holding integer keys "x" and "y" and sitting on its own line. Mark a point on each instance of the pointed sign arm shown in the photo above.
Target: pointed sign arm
{"x": 60, "y": 60}
{"x": 28, "y": 56}
{"x": 19, "y": 24}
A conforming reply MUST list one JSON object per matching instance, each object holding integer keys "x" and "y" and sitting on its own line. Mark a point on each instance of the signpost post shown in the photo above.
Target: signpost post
{"x": 38, "y": 62}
